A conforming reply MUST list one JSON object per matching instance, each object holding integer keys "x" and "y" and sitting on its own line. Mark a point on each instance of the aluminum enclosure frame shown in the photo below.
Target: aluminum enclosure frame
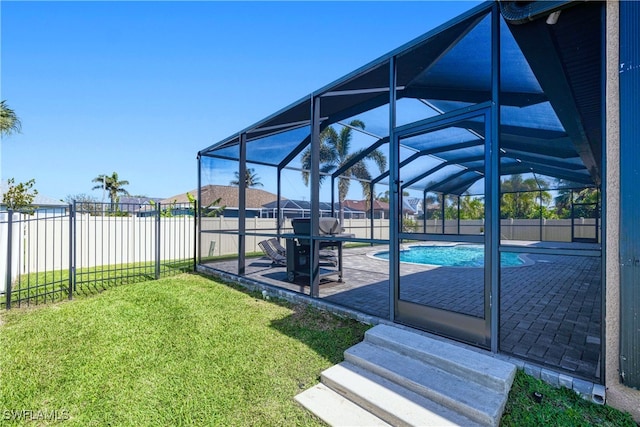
{"x": 492, "y": 169}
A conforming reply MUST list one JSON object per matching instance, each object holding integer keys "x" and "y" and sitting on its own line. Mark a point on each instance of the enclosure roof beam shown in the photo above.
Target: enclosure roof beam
{"x": 292, "y": 155}
{"x": 464, "y": 185}
{"x": 540, "y": 49}
{"x": 435, "y": 186}
{"x": 545, "y": 160}
{"x": 236, "y": 159}
{"x": 526, "y": 167}
{"x": 358, "y": 108}
{"x": 424, "y": 175}
{"x": 279, "y": 127}
{"x": 516, "y": 131}
{"x": 358, "y": 91}
{"x": 258, "y": 134}
{"x": 430, "y": 53}
{"x": 431, "y": 151}
{"x": 561, "y": 148}
{"x": 516, "y": 99}
{"x": 457, "y": 162}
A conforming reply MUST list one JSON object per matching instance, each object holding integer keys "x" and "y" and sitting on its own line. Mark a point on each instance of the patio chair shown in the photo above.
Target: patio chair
{"x": 276, "y": 258}
{"x": 327, "y": 257}
{"x": 277, "y": 246}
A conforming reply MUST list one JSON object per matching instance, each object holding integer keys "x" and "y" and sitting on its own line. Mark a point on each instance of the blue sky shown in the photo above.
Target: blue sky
{"x": 140, "y": 87}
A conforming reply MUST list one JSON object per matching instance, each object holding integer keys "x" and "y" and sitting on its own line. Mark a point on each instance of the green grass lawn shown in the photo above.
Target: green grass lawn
{"x": 188, "y": 350}
{"x": 178, "y": 351}
{"x": 556, "y": 407}
{"x": 50, "y": 286}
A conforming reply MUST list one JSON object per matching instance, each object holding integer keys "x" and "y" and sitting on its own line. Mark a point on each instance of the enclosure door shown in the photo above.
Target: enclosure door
{"x": 450, "y": 157}
{"x": 584, "y": 222}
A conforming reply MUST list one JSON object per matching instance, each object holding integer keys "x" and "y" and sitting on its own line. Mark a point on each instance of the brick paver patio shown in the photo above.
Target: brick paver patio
{"x": 550, "y": 310}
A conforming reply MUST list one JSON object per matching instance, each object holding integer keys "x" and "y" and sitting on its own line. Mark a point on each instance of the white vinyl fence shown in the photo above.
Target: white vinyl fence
{"x": 98, "y": 240}
{"x": 43, "y": 242}
{"x": 44, "y": 253}
{"x": 215, "y": 242}
{"x": 8, "y": 266}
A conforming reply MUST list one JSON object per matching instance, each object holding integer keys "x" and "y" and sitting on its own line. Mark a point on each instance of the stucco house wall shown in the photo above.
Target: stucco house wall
{"x": 618, "y": 395}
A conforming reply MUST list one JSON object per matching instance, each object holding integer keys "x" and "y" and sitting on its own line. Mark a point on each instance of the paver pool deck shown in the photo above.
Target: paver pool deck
{"x": 550, "y": 308}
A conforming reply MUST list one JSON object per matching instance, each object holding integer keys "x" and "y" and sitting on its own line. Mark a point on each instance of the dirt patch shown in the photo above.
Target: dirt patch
{"x": 307, "y": 316}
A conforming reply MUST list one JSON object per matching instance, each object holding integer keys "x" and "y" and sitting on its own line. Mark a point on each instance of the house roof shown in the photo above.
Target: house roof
{"x": 414, "y": 202}
{"x": 134, "y": 204}
{"x": 228, "y": 195}
{"x": 361, "y": 205}
{"x": 138, "y": 200}
{"x": 305, "y": 205}
{"x": 40, "y": 199}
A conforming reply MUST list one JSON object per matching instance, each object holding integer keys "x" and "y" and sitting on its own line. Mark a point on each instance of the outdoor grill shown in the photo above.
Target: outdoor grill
{"x": 299, "y": 249}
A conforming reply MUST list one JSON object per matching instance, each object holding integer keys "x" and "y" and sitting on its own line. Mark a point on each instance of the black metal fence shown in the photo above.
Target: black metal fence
{"x": 48, "y": 253}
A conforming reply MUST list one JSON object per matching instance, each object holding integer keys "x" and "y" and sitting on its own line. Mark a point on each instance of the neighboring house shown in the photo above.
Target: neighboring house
{"x": 380, "y": 209}
{"x": 228, "y": 195}
{"x": 414, "y": 204}
{"x": 135, "y": 204}
{"x": 43, "y": 203}
{"x": 302, "y": 208}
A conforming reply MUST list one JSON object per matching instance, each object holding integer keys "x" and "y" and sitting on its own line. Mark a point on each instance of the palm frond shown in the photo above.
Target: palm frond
{"x": 379, "y": 158}
{"x": 326, "y": 168}
{"x": 329, "y": 136}
{"x": 357, "y": 124}
{"x": 9, "y": 121}
{"x": 306, "y": 165}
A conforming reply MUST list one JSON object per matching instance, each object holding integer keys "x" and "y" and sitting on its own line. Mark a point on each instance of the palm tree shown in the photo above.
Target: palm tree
{"x": 251, "y": 178}
{"x": 521, "y": 198}
{"x": 9, "y": 121}
{"x": 113, "y": 185}
{"x": 335, "y": 153}
{"x": 567, "y": 196}
{"x": 471, "y": 207}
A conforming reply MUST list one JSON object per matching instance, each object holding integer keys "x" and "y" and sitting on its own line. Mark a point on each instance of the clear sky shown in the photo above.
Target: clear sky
{"x": 140, "y": 87}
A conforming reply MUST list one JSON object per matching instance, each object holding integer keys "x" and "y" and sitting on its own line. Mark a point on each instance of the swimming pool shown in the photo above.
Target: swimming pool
{"x": 452, "y": 256}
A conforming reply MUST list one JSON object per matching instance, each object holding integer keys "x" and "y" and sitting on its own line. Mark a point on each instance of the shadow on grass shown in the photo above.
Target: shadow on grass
{"x": 326, "y": 333}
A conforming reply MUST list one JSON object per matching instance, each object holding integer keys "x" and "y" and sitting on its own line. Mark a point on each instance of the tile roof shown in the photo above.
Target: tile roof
{"x": 228, "y": 195}
{"x": 361, "y": 205}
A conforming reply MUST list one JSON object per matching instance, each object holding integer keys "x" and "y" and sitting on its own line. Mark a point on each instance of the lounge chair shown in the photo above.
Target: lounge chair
{"x": 324, "y": 253}
{"x": 327, "y": 257}
{"x": 277, "y": 246}
{"x": 272, "y": 253}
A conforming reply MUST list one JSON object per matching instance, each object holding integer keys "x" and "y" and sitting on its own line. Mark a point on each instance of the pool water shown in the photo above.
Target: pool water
{"x": 452, "y": 256}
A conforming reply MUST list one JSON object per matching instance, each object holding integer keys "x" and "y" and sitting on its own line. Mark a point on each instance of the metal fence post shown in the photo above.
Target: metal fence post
{"x": 9, "y": 246}
{"x": 72, "y": 248}
{"x": 157, "y": 270}
{"x": 195, "y": 234}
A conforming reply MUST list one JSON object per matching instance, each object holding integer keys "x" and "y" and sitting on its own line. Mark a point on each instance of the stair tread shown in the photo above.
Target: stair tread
{"x": 335, "y": 409}
{"x": 470, "y": 398}
{"x": 388, "y": 400}
{"x": 496, "y": 373}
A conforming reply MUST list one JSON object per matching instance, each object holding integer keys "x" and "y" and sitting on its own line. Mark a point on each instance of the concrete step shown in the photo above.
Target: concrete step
{"x": 468, "y": 398}
{"x": 464, "y": 363}
{"x": 389, "y": 401}
{"x": 336, "y": 410}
